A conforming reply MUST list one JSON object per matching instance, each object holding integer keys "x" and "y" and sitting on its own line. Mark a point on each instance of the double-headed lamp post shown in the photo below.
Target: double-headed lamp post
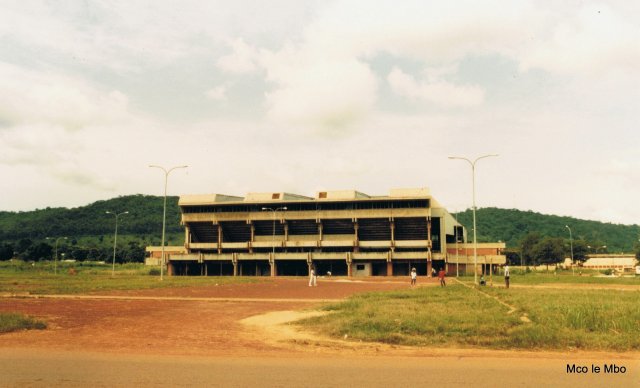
{"x": 164, "y": 210}
{"x": 571, "y": 245}
{"x": 115, "y": 239}
{"x": 273, "y": 239}
{"x": 55, "y": 261}
{"x": 473, "y": 188}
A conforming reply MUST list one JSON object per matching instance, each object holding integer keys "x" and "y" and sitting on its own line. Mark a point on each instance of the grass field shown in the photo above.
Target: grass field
{"x": 91, "y": 277}
{"x": 459, "y": 316}
{"x": 13, "y": 321}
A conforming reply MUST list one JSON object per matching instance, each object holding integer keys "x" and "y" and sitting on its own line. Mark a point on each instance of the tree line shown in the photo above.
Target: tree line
{"x": 89, "y": 230}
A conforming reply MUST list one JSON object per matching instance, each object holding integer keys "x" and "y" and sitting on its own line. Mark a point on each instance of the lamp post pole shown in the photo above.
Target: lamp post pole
{"x": 273, "y": 239}
{"x": 55, "y": 260}
{"x": 473, "y": 184}
{"x": 571, "y": 245}
{"x": 164, "y": 210}
{"x": 115, "y": 239}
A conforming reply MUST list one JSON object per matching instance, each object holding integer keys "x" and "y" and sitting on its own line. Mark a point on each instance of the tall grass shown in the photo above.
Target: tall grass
{"x": 460, "y": 316}
{"x": 13, "y": 321}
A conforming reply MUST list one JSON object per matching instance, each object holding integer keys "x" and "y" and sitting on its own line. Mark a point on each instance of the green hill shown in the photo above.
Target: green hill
{"x": 89, "y": 230}
{"x": 511, "y": 225}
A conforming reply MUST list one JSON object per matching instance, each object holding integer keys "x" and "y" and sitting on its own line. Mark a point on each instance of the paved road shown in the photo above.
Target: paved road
{"x": 31, "y": 368}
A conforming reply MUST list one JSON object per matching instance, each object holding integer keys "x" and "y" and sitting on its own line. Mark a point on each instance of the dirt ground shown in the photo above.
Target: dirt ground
{"x": 179, "y": 321}
{"x": 226, "y": 320}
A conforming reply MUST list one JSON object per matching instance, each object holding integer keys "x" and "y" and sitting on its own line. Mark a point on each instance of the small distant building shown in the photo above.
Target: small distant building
{"x": 153, "y": 254}
{"x": 618, "y": 263}
{"x": 345, "y": 232}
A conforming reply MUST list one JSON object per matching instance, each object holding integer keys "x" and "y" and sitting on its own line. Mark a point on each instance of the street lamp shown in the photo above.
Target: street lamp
{"x": 596, "y": 248}
{"x": 473, "y": 184}
{"x": 571, "y": 245}
{"x": 164, "y": 210}
{"x": 55, "y": 262}
{"x": 115, "y": 239}
{"x": 273, "y": 239}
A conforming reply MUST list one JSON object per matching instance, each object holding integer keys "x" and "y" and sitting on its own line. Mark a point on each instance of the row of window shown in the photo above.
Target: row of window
{"x": 311, "y": 206}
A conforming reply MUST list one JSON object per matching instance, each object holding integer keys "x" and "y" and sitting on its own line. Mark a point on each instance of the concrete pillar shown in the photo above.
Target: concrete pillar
{"x": 272, "y": 263}
{"x": 187, "y": 236}
{"x": 169, "y": 269}
{"x": 389, "y": 268}
{"x": 429, "y": 242}
{"x": 356, "y": 243}
{"x": 234, "y": 261}
{"x": 220, "y": 239}
{"x": 429, "y": 268}
{"x": 349, "y": 267}
{"x": 286, "y": 231}
{"x": 393, "y": 231}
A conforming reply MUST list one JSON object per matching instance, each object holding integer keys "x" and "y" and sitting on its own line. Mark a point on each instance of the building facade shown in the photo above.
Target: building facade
{"x": 339, "y": 233}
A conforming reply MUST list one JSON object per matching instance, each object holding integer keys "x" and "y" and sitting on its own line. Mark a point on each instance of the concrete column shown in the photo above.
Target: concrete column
{"x": 234, "y": 261}
{"x": 170, "y": 269}
{"x": 429, "y": 242}
{"x": 272, "y": 263}
{"x": 389, "y": 268}
{"x": 429, "y": 268}
{"x": 219, "y": 239}
{"x": 320, "y": 231}
{"x": 356, "y": 244}
{"x": 187, "y": 236}
{"x": 349, "y": 268}
{"x": 286, "y": 231}
{"x": 393, "y": 232}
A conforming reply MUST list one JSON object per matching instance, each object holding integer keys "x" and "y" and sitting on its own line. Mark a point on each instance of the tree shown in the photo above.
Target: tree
{"x": 40, "y": 251}
{"x": 527, "y": 245}
{"x": 6, "y": 252}
{"x": 580, "y": 250}
{"x": 550, "y": 250}
{"x": 513, "y": 256}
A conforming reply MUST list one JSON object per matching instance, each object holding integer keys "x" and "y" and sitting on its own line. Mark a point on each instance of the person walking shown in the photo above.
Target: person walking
{"x": 506, "y": 276}
{"x": 414, "y": 277}
{"x": 312, "y": 277}
{"x": 441, "y": 276}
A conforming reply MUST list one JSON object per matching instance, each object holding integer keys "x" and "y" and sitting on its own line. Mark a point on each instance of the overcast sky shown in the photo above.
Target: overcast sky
{"x": 294, "y": 96}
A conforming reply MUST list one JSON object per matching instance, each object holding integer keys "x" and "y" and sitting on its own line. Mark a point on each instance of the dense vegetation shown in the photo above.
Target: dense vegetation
{"x": 89, "y": 231}
{"x": 511, "y": 226}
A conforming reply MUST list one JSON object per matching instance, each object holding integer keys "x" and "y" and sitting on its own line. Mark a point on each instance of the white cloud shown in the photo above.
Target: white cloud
{"x": 323, "y": 95}
{"x": 219, "y": 93}
{"x": 594, "y": 40}
{"x": 243, "y": 58}
{"x": 436, "y": 92}
{"x": 28, "y": 96}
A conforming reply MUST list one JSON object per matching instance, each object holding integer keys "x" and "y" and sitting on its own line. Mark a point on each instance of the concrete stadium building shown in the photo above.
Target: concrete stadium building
{"x": 344, "y": 233}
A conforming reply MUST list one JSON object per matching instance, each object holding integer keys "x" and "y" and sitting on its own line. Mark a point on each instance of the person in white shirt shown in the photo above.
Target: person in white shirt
{"x": 414, "y": 276}
{"x": 506, "y": 276}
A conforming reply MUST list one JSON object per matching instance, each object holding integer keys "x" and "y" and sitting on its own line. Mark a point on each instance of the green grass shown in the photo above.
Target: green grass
{"x": 457, "y": 316}
{"x": 20, "y": 277}
{"x": 560, "y": 277}
{"x": 13, "y": 321}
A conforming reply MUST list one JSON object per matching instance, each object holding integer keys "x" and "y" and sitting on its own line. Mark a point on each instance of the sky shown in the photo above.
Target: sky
{"x": 305, "y": 96}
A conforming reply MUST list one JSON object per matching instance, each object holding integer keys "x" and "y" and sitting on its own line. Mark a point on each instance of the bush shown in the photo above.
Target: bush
{"x": 607, "y": 271}
{"x": 154, "y": 272}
